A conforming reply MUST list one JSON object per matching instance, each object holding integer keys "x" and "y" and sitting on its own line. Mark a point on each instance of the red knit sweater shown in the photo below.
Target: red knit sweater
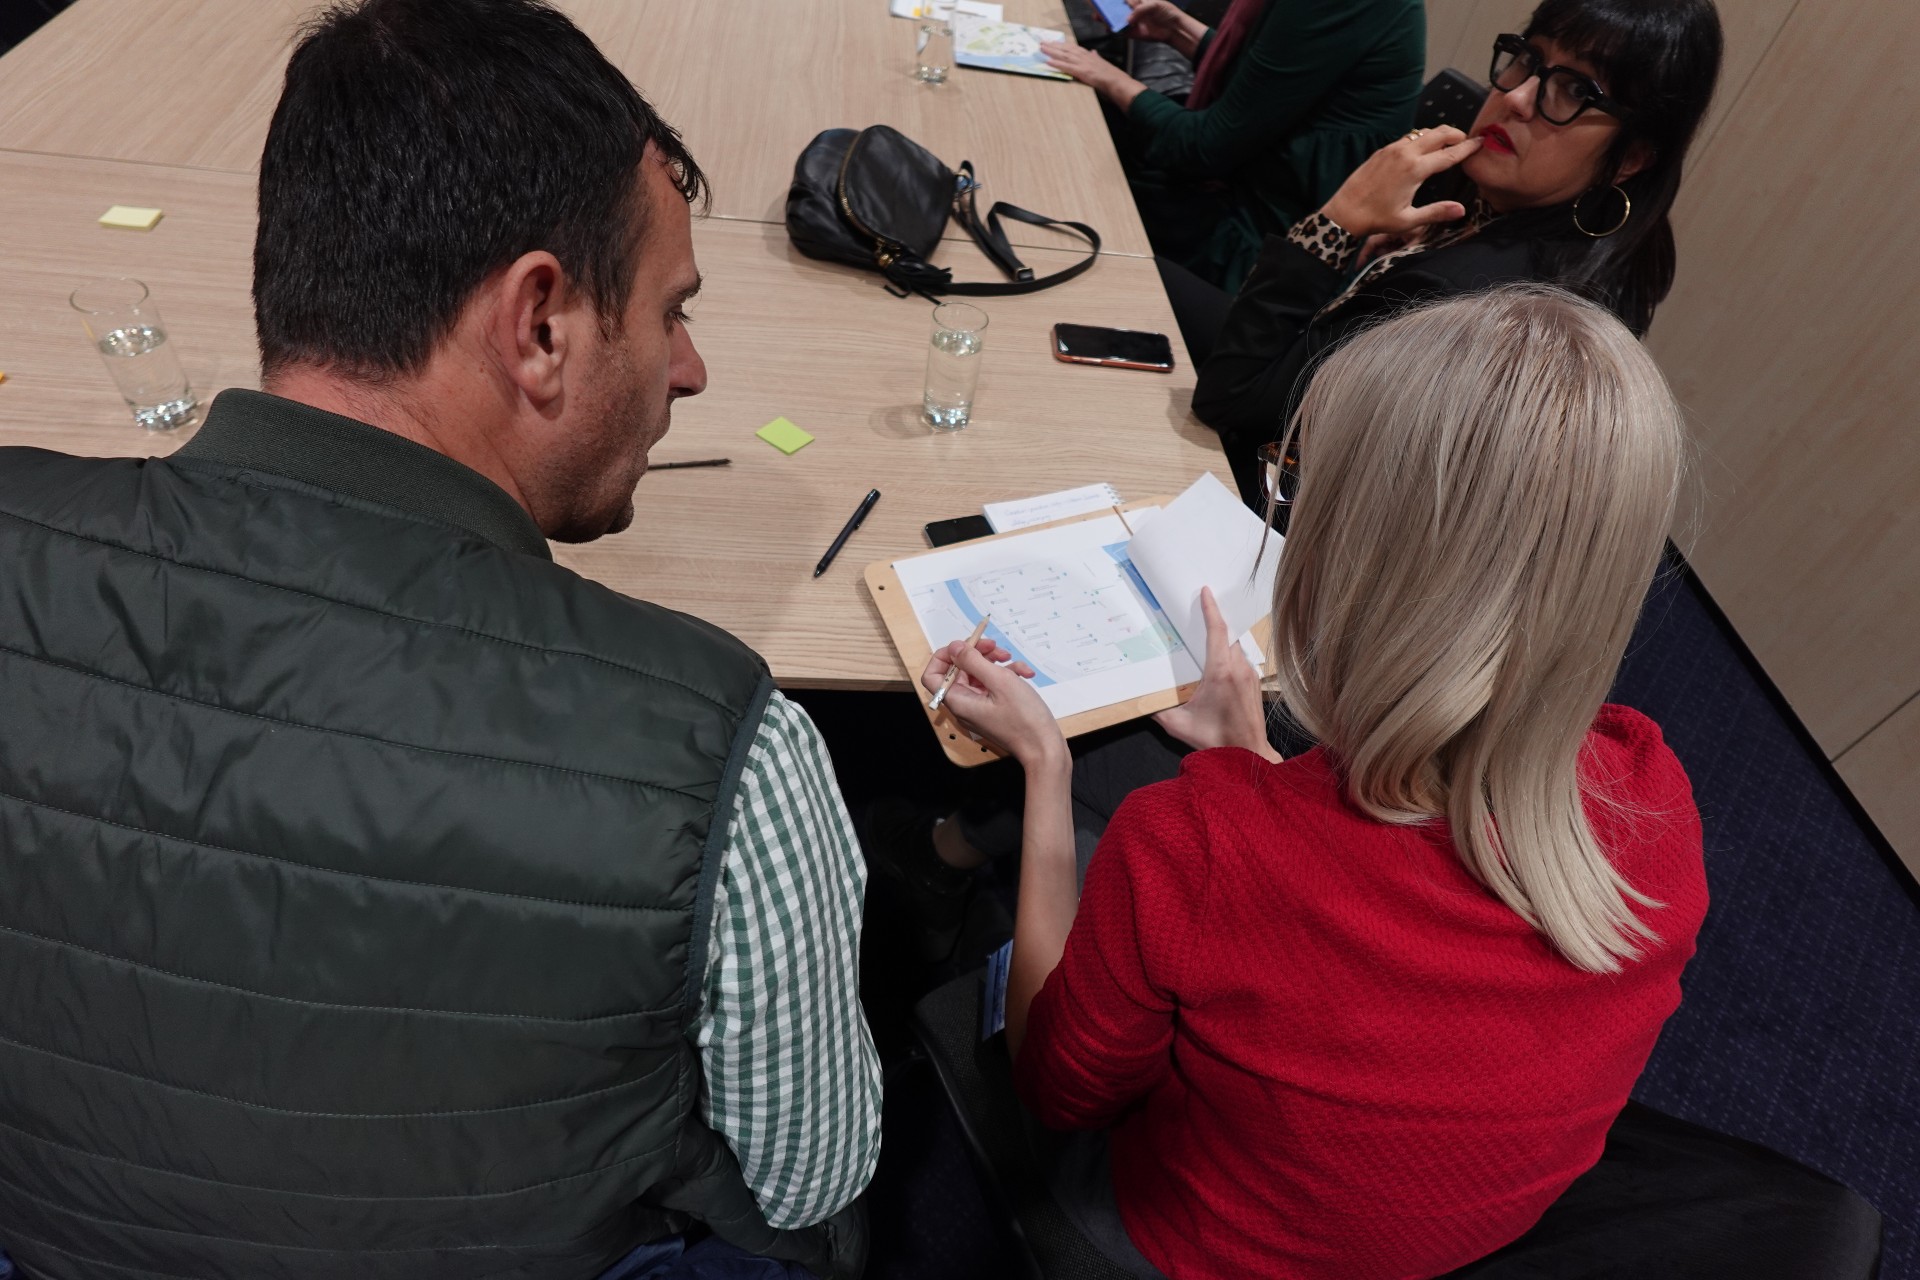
{"x": 1324, "y": 1049}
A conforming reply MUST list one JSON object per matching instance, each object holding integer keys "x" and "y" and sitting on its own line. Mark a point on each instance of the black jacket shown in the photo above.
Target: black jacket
{"x": 1274, "y": 332}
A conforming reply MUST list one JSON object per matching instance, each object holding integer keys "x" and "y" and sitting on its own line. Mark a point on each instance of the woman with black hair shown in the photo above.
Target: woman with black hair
{"x": 1566, "y": 178}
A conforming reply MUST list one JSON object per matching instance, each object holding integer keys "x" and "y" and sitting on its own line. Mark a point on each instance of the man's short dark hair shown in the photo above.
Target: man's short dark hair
{"x": 421, "y": 145}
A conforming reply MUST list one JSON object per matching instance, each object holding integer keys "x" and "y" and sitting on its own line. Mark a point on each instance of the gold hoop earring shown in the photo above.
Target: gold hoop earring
{"x": 1625, "y": 213}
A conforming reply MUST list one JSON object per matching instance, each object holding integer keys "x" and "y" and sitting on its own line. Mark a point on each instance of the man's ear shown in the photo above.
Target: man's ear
{"x": 533, "y": 324}
{"x": 1639, "y": 156}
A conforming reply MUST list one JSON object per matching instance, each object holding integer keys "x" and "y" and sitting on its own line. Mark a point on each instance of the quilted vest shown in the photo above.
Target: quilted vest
{"x": 355, "y": 878}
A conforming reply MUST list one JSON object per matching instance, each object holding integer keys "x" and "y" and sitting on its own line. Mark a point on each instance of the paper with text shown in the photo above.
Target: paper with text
{"x": 1022, "y": 513}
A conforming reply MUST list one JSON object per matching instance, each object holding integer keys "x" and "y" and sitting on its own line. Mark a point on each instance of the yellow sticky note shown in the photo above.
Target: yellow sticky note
{"x": 130, "y": 216}
{"x": 784, "y": 436}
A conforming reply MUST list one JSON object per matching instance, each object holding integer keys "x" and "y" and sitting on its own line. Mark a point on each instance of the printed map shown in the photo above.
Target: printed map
{"x": 1068, "y": 617}
{"x": 1002, "y": 46}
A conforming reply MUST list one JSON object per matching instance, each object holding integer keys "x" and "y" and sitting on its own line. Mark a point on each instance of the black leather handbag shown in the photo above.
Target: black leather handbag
{"x": 874, "y": 198}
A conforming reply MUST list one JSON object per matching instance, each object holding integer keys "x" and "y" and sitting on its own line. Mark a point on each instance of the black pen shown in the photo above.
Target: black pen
{"x": 866, "y": 505}
{"x": 702, "y": 462}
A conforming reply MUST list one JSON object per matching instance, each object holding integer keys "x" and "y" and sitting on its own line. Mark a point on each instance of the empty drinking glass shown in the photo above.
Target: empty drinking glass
{"x": 126, "y": 330}
{"x": 933, "y": 44}
{"x": 953, "y": 365}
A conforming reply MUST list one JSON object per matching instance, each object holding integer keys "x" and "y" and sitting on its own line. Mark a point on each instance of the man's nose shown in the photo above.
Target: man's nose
{"x": 689, "y": 371}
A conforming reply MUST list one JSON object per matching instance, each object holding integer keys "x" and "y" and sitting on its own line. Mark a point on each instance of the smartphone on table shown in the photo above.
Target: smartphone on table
{"x": 944, "y": 533}
{"x": 1124, "y": 348}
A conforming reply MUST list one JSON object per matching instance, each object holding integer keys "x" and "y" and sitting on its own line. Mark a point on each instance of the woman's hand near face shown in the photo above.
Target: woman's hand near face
{"x": 998, "y": 702}
{"x": 1225, "y": 710}
{"x": 1378, "y": 196}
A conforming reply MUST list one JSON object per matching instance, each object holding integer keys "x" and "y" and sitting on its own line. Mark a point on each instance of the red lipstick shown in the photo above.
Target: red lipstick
{"x": 1494, "y": 138}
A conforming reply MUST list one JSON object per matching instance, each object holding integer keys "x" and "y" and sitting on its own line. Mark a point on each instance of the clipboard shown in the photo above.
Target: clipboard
{"x": 896, "y": 611}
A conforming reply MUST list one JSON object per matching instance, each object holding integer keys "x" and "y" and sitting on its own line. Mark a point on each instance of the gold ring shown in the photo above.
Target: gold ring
{"x": 1414, "y": 134}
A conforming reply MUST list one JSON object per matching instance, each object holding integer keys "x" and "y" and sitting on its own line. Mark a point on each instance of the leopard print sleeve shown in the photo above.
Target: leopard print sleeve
{"x": 1326, "y": 240}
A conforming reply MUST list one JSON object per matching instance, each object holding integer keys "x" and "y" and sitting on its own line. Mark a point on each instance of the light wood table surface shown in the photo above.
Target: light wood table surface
{"x": 198, "y": 262}
{"x": 781, "y": 335}
{"x": 748, "y": 82}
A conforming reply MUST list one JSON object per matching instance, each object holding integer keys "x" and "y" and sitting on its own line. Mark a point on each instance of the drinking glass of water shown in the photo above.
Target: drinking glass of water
{"x": 953, "y": 365}
{"x": 933, "y": 43}
{"x": 125, "y": 327}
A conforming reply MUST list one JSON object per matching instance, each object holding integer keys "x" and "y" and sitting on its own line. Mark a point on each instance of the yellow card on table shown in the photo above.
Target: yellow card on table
{"x": 130, "y": 216}
{"x": 784, "y": 436}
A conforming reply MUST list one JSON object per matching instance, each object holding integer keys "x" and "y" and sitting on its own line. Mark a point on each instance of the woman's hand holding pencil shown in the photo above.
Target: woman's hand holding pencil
{"x": 985, "y": 690}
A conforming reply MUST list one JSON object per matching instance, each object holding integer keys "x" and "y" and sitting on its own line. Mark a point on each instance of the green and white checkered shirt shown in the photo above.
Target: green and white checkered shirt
{"x": 792, "y": 1079}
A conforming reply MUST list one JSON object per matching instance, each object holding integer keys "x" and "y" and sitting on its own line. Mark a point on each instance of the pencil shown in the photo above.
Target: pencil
{"x": 1123, "y": 519}
{"x": 940, "y": 694}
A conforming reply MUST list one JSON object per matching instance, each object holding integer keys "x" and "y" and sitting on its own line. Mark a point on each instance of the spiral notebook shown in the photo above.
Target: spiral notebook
{"x": 1024, "y": 513}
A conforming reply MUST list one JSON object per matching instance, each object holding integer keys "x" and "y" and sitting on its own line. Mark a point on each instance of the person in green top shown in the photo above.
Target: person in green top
{"x": 1289, "y": 97}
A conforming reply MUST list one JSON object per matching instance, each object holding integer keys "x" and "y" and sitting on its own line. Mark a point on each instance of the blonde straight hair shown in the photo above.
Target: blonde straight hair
{"x": 1485, "y": 487}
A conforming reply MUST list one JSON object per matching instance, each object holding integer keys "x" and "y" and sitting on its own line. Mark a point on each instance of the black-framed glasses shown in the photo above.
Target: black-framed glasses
{"x": 1564, "y": 92}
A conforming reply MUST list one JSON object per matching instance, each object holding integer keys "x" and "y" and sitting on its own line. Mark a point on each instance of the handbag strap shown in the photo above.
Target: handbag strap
{"x": 992, "y": 239}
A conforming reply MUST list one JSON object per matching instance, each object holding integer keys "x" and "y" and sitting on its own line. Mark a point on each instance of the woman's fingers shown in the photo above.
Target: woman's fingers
{"x": 1440, "y": 159}
{"x": 947, "y": 656}
{"x": 1429, "y": 214}
{"x": 980, "y": 668}
{"x": 1227, "y": 666}
{"x": 1223, "y": 651}
{"x": 1438, "y": 138}
{"x": 1217, "y": 638}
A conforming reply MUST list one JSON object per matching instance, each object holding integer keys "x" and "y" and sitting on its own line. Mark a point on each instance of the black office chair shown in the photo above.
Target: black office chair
{"x": 1009, "y": 1150}
{"x": 1667, "y": 1199}
{"x": 1452, "y": 97}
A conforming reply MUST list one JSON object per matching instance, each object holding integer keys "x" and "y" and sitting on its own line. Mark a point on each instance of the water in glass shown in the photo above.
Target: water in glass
{"x": 933, "y": 49}
{"x": 148, "y": 375}
{"x": 953, "y": 370}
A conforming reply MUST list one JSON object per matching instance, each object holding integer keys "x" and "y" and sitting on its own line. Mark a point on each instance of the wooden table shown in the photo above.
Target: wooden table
{"x": 781, "y": 335}
{"x": 166, "y": 103}
{"x": 748, "y": 82}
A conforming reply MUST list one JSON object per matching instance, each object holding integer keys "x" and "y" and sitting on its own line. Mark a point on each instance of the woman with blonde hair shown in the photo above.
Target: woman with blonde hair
{"x": 1366, "y": 1012}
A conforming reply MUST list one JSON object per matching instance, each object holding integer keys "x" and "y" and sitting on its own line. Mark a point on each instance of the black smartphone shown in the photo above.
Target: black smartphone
{"x": 1127, "y": 348}
{"x": 943, "y": 533}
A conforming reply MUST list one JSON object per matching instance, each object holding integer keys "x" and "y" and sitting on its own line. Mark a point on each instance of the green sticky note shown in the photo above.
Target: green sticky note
{"x": 784, "y": 436}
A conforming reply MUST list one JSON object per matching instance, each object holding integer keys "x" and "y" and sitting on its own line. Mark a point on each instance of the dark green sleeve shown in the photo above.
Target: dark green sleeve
{"x": 1302, "y": 51}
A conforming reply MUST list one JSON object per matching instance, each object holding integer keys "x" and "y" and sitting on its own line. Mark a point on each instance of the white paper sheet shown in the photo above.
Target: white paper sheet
{"x": 1207, "y": 537}
{"x": 945, "y": 9}
{"x": 1022, "y": 513}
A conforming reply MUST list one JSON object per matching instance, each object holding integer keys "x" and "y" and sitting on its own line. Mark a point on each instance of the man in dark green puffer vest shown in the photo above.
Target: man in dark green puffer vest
{"x": 365, "y": 872}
